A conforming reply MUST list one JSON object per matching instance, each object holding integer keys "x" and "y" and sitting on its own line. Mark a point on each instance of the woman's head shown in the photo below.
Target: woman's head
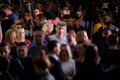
{"x": 10, "y": 36}
{"x": 65, "y": 53}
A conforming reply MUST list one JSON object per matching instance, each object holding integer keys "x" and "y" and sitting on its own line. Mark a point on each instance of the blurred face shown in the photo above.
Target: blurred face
{"x": 107, "y": 18}
{"x": 22, "y": 51}
{"x": 7, "y": 11}
{"x": 83, "y": 36}
{"x": 64, "y": 53}
{"x": 50, "y": 28}
{"x": 61, "y": 30}
{"x": 80, "y": 49}
{"x": 38, "y": 36}
{"x": 27, "y": 16}
{"x": 36, "y": 12}
{"x": 4, "y": 51}
{"x": 39, "y": 6}
{"x": 79, "y": 13}
{"x": 70, "y": 37}
{"x": 21, "y": 33}
{"x": 66, "y": 11}
{"x": 57, "y": 49}
{"x": 39, "y": 21}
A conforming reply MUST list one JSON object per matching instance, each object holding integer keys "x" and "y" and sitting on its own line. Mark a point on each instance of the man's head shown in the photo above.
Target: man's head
{"x": 5, "y": 49}
{"x": 38, "y": 35}
{"x": 61, "y": 27}
{"x": 22, "y": 49}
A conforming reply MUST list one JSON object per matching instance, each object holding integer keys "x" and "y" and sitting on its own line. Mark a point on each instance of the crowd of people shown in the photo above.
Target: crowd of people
{"x": 59, "y": 40}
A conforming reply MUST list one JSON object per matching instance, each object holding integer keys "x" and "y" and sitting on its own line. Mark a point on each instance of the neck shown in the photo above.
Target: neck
{"x": 60, "y": 35}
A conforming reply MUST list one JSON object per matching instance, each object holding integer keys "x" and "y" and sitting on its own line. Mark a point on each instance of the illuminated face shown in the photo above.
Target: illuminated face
{"x": 64, "y": 53}
{"x": 4, "y": 51}
{"x": 57, "y": 49}
{"x": 22, "y": 51}
{"x": 27, "y": 16}
{"x": 38, "y": 36}
{"x": 61, "y": 30}
{"x": 50, "y": 28}
{"x": 21, "y": 33}
{"x": 82, "y": 36}
{"x": 36, "y": 12}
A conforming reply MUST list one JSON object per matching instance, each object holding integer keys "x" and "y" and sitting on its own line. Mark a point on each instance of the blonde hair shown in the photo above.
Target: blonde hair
{"x": 45, "y": 26}
{"x": 68, "y": 51}
{"x": 8, "y": 35}
{"x": 81, "y": 34}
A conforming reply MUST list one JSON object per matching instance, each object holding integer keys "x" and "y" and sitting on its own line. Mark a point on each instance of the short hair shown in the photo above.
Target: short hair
{"x": 112, "y": 39}
{"x": 68, "y": 51}
{"x": 51, "y": 44}
{"x": 91, "y": 53}
{"x": 42, "y": 61}
{"x": 3, "y": 44}
{"x": 37, "y": 28}
{"x": 21, "y": 44}
{"x": 61, "y": 24}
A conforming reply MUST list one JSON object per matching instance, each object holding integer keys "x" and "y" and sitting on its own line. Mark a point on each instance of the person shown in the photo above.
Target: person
{"x": 11, "y": 15}
{"x": 53, "y": 53}
{"x": 22, "y": 50}
{"x": 39, "y": 20}
{"x": 15, "y": 68}
{"x": 71, "y": 37}
{"x": 110, "y": 58}
{"x": 21, "y": 35}
{"x": 41, "y": 66}
{"x": 91, "y": 68}
{"x": 5, "y": 24}
{"x": 1, "y": 32}
{"x": 11, "y": 38}
{"x": 82, "y": 36}
{"x": 60, "y": 34}
{"x": 48, "y": 28}
{"x": 28, "y": 23}
{"x": 68, "y": 64}
{"x": 38, "y": 37}
{"x": 4, "y": 69}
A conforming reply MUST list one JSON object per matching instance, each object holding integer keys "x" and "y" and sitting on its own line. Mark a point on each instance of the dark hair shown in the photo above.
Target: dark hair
{"x": 3, "y": 44}
{"x": 37, "y": 28}
{"x": 112, "y": 39}
{"x": 90, "y": 53}
{"x": 42, "y": 61}
{"x": 2, "y": 14}
{"x": 5, "y": 6}
{"x": 41, "y": 16}
{"x": 21, "y": 44}
{"x": 51, "y": 44}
